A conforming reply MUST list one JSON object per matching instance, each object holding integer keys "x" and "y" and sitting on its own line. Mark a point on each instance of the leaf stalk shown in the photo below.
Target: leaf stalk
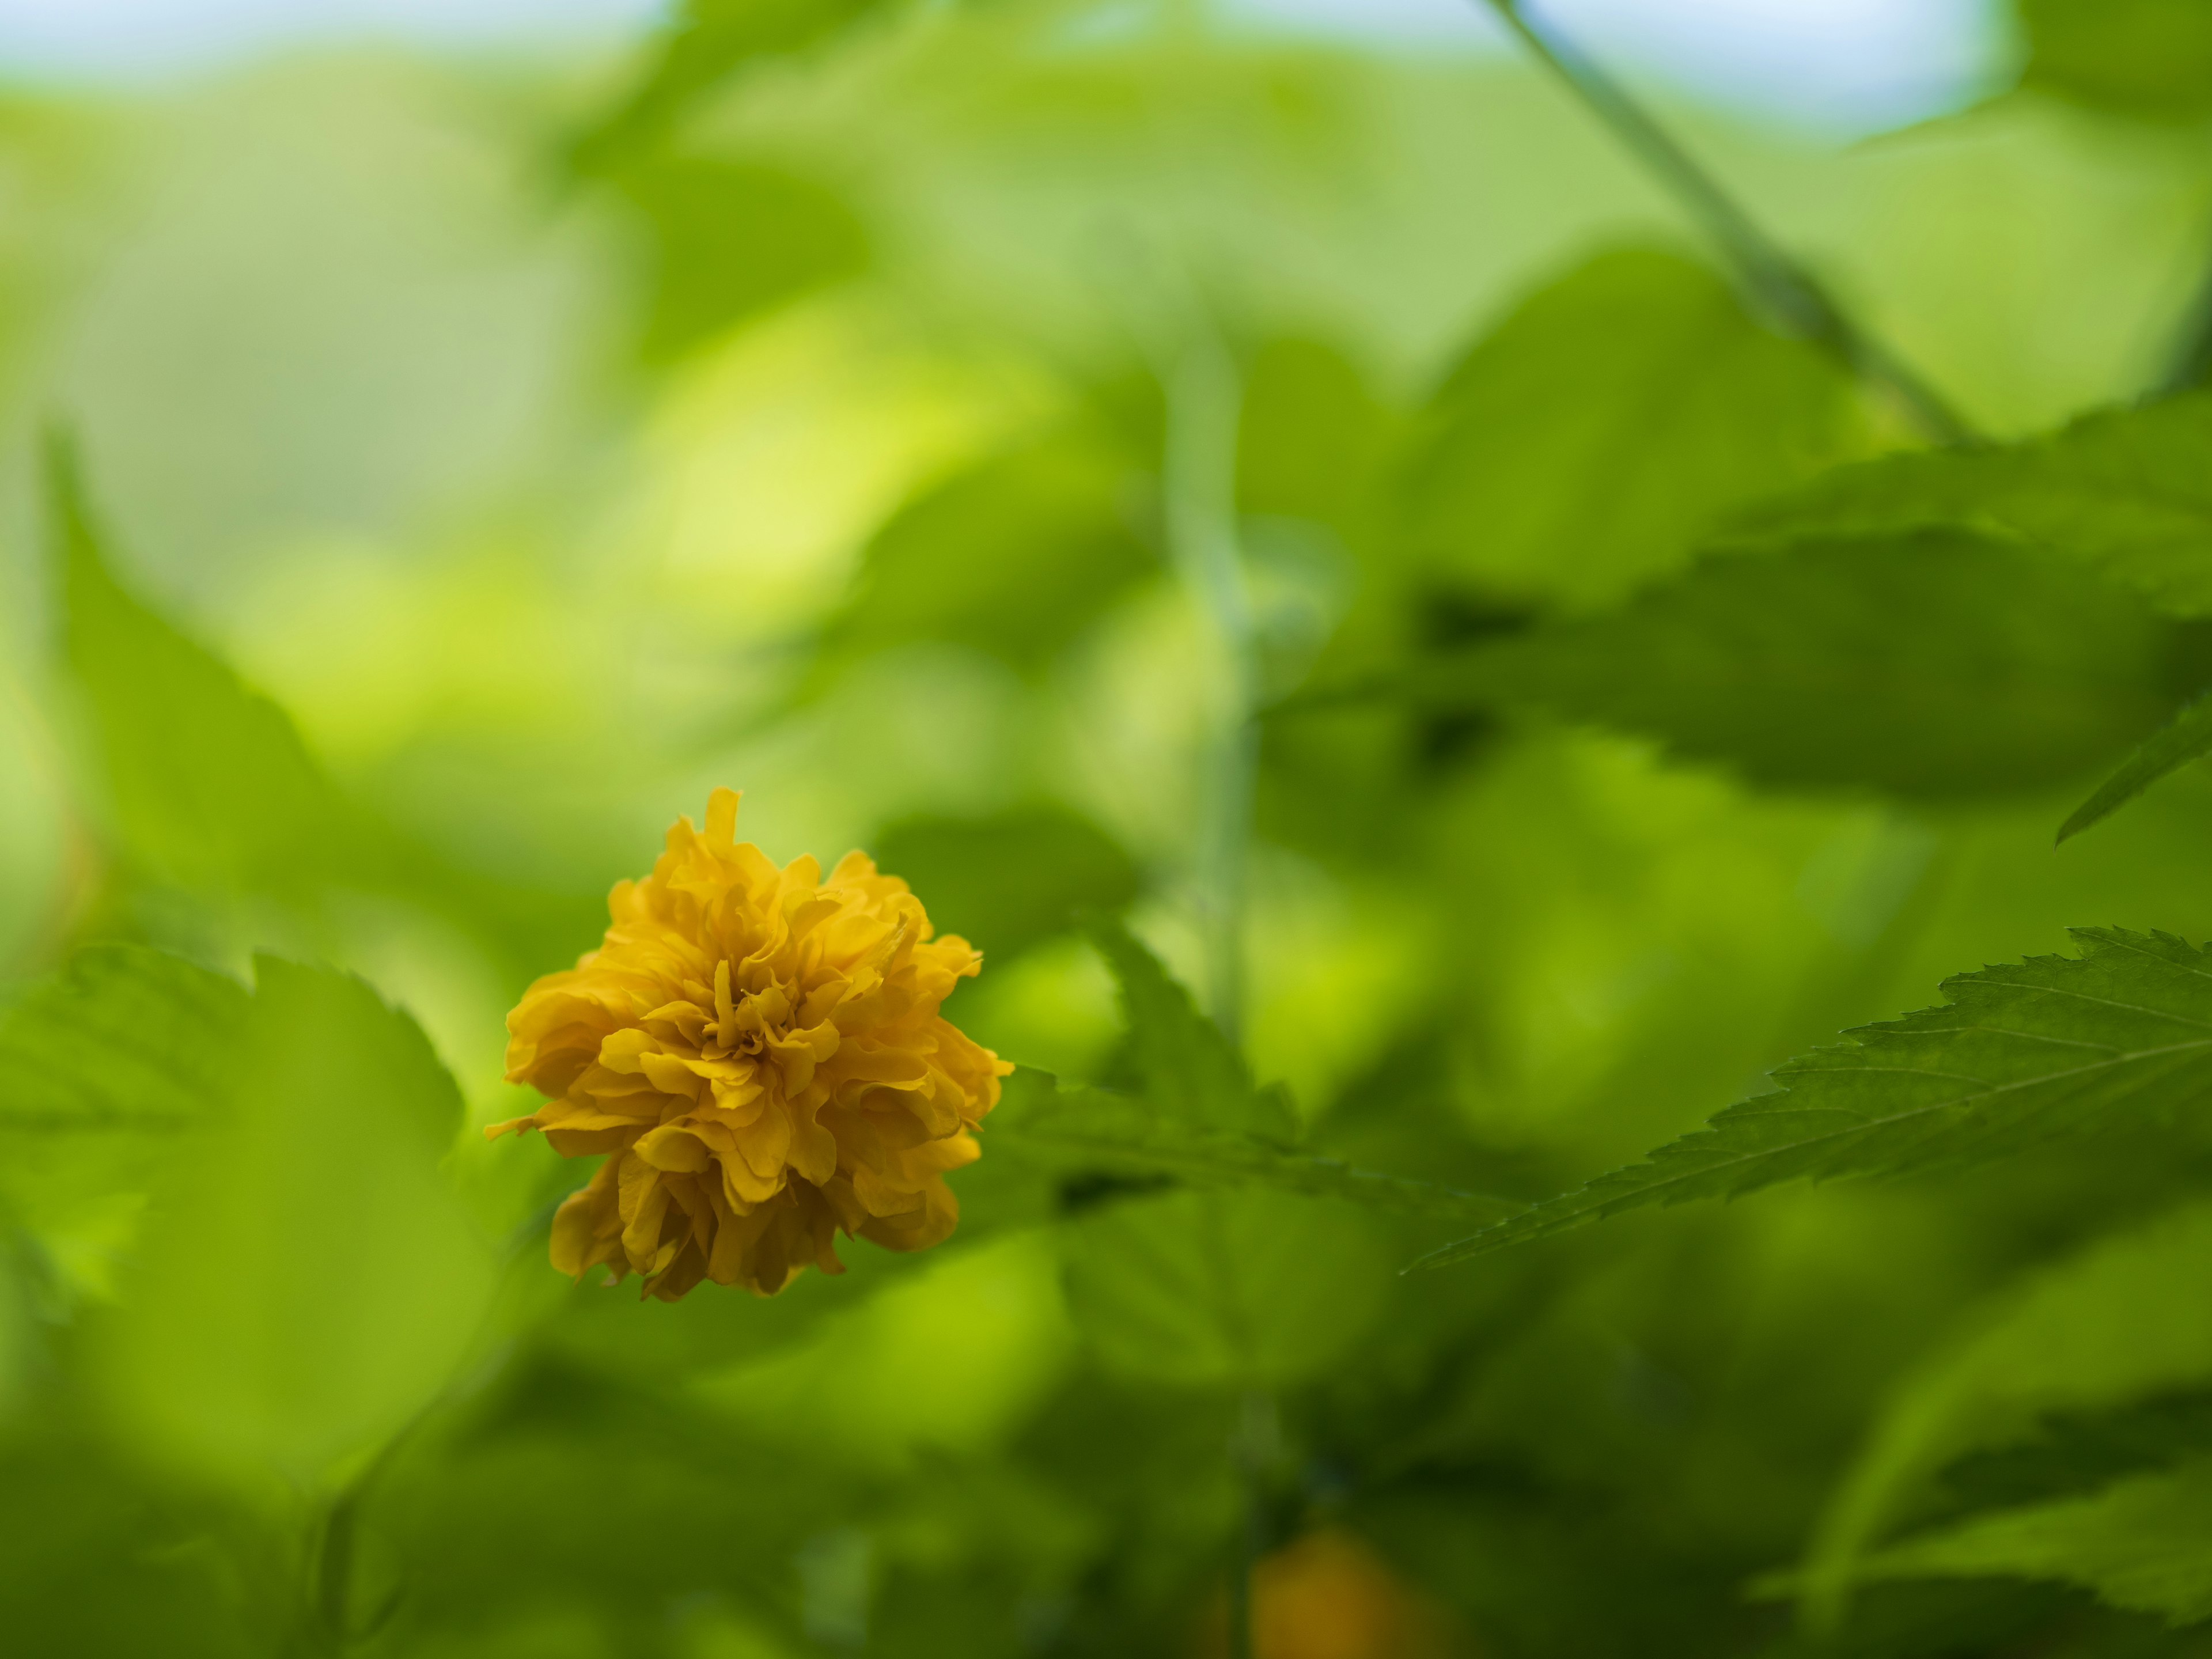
{"x": 1795, "y": 298}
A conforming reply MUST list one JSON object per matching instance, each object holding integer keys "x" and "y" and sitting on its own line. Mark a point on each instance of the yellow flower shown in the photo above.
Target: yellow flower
{"x": 761, "y": 1053}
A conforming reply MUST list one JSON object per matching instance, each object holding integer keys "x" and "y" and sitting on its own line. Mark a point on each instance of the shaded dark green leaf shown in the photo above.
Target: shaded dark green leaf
{"x": 2186, "y": 737}
{"x": 2125, "y": 490}
{"x": 1932, "y": 663}
{"x": 2143, "y": 57}
{"x": 2020, "y": 1054}
{"x": 1077, "y": 1134}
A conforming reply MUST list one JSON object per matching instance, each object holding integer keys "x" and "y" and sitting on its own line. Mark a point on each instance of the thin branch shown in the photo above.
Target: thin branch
{"x": 1793, "y": 297}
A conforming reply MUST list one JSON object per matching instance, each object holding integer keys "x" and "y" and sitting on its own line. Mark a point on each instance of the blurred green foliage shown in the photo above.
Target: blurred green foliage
{"x": 466, "y": 468}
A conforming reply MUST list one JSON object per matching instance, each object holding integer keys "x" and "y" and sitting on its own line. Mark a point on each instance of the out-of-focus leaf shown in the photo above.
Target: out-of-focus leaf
{"x": 1080, "y": 1135}
{"x": 1005, "y": 882}
{"x": 1014, "y": 558}
{"x": 1934, "y": 664}
{"x": 2144, "y": 1544}
{"x": 2186, "y": 737}
{"x": 1585, "y": 444}
{"x": 104, "y": 1560}
{"x": 1311, "y": 437}
{"x": 707, "y": 43}
{"x": 107, "y": 1067}
{"x": 2124, "y": 1320}
{"x": 2142, "y": 57}
{"x": 209, "y": 781}
{"x": 309, "y": 1280}
{"x": 2125, "y": 490}
{"x": 730, "y": 238}
{"x": 2021, "y": 1054}
{"x": 1249, "y": 1289}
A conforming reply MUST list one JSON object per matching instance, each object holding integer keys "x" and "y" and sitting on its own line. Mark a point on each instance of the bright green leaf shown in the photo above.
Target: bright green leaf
{"x": 708, "y": 43}
{"x": 1247, "y": 1290}
{"x": 2122, "y": 1320}
{"x": 1005, "y": 882}
{"x": 309, "y": 1280}
{"x": 1014, "y": 557}
{"x": 108, "y": 1064}
{"x": 1587, "y": 442}
{"x": 1934, "y": 664}
{"x": 210, "y": 783}
{"x": 2186, "y": 737}
{"x": 2142, "y": 57}
{"x": 2125, "y": 490}
{"x": 2021, "y": 1054}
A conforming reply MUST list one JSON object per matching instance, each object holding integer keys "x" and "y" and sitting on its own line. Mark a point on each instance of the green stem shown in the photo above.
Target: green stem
{"x": 1203, "y": 395}
{"x": 1791, "y": 295}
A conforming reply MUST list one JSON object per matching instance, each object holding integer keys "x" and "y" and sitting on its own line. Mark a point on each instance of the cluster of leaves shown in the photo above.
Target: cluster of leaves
{"x": 290, "y": 1375}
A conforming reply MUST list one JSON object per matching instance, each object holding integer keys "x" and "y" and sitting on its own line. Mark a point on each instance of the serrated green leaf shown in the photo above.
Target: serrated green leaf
{"x": 2142, "y": 57}
{"x": 2186, "y": 737}
{"x": 208, "y": 781}
{"x": 108, "y": 1064}
{"x": 2144, "y": 1544}
{"x": 1086, "y": 1131}
{"x": 309, "y": 1278}
{"x": 2121, "y": 1321}
{"x": 1585, "y": 444}
{"x": 2125, "y": 490}
{"x": 2021, "y": 1054}
{"x": 1187, "y": 1070}
{"x": 1934, "y": 664}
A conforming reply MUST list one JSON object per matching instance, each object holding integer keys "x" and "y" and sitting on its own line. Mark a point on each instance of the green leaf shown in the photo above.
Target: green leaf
{"x": 1186, "y": 1070}
{"x": 208, "y": 782}
{"x": 308, "y": 1279}
{"x": 2122, "y": 1320}
{"x": 728, "y": 239}
{"x": 1311, "y": 436}
{"x": 1083, "y": 1134}
{"x": 1014, "y": 557}
{"x": 1585, "y": 444}
{"x": 708, "y": 43}
{"x": 2144, "y": 1544}
{"x": 2020, "y": 1053}
{"x": 109, "y": 1064}
{"x": 2126, "y": 490}
{"x": 2186, "y": 737}
{"x": 1934, "y": 664}
{"x": 2143, "y": 57}
{"x": 1004, "y": 883}
{"x": 1247, "y": 1290}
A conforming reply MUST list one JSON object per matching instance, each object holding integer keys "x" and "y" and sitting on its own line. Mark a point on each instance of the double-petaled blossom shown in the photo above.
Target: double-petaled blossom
{"x": 760, "y": 1052}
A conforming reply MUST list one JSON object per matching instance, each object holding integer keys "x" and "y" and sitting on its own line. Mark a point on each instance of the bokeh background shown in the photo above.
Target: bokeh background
{"x": 550, "y": 455}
